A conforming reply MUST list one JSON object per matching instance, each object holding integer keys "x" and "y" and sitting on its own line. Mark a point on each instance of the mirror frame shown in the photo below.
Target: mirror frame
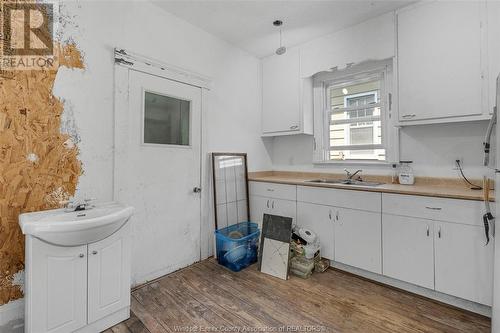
{"x": 244, "y": 156}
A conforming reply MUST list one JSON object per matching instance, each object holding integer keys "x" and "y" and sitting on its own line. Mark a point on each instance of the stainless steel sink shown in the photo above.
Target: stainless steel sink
{"x": 344, "y": 182}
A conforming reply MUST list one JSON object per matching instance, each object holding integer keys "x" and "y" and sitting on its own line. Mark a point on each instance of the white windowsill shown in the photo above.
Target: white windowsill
{"x": 383, "y": 164}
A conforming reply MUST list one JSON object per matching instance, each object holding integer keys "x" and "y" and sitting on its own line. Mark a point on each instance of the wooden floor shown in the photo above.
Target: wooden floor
{"x": 206, "y": 297}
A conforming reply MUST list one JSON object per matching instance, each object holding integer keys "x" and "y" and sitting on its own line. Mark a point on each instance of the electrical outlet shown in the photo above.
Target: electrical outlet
{"x": 455, "y": 165}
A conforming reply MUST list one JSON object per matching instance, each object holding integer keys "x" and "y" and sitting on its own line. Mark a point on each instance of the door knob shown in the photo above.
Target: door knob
{"x": 197, "y": 189}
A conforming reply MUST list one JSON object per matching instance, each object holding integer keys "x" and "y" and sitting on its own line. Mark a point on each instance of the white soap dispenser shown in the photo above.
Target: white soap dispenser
{"x": 406, "y": 176}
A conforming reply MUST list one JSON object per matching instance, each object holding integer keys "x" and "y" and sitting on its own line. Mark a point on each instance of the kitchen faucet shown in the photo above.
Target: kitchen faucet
{"x": 350, "y": 175}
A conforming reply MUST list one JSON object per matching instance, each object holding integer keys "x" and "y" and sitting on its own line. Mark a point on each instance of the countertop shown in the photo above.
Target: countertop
{"x": 453, "y": 188}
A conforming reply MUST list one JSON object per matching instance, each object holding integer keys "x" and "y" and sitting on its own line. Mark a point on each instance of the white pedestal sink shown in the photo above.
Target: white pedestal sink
{"x": 77, "y": 268}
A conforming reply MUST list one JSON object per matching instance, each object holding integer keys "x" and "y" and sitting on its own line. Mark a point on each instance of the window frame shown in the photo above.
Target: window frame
{"x": 353, "y": 74}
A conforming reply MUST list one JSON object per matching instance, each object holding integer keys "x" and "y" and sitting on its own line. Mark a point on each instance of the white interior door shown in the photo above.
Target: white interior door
{"x": 157, "y": 170}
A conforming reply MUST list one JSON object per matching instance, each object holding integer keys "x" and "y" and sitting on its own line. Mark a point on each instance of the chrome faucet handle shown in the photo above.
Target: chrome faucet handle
{"x": 348, "y": 173}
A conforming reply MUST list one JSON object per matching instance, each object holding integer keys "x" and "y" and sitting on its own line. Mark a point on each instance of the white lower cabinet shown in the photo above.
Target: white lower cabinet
{"x": 464, "y": 264}
{"x": 78, "y": 288}
{"x": 358, "y": 240}
{"x": 319, "y": 219}
{"x": 108, "y": 276}
{"x": 266, "y": 205}
{"x": 58, "y": 292}
{"x": 408, "y": 249}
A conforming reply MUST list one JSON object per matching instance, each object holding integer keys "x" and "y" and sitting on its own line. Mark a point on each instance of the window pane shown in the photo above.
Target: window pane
{"x": 166, "y": 120}
{"x": 349, "y": 102}
{"x": 368, "y": 154}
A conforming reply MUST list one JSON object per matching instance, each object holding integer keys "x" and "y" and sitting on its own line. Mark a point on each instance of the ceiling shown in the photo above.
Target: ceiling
{"x": 248, "y": 24}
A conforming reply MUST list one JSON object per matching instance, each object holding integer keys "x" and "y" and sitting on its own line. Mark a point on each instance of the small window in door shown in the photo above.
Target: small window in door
{"x": 166, "y": 120}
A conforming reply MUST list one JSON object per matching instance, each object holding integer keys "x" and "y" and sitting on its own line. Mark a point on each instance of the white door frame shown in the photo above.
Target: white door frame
{"x": 126, "y": 61}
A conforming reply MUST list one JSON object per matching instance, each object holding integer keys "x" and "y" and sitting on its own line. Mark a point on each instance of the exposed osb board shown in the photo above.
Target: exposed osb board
{"x": 38, "y": 164}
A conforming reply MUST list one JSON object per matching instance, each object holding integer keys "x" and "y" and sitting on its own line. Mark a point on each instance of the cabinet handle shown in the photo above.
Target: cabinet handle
{"x": 270, "y": 190}
{"x": 439, "y": 232}
{"x": 406, "y": 116}
{"x": 330, "y": 214}
{"x": 81, "y": 255}
{"x": 94, "y": 252}
{"x": 428, "y": 231}
{"x": 433, "y": 208}
{"x": 294, "y": 127}
{"x": 267, "y": 204}
{"x": 272, "y": 205}
{"x": 337, "y": 215}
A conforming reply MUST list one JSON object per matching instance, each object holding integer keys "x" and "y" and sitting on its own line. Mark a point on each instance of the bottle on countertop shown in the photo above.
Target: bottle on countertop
{"x": 406, "y": 176}
{"x": 394, "y": 174}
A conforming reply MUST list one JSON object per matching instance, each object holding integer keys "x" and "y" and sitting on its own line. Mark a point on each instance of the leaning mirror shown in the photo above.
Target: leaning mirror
{"x": 230, "y": 181}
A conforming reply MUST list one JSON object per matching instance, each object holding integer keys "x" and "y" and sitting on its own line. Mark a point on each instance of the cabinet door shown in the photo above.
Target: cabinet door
{"x": 464, "y": 265}
{"x": 439, "y": 60}
{"x": 258, "y": 206}
{"x": 109, "y": 274}
{"x": 59, "y": 287}
{"x": 358, "y": 238}
{"x": 281, "y": 92}
{"x": 319, "y": 219}
{"x": 284, "y": 208}
{"x": 408, "y": 249}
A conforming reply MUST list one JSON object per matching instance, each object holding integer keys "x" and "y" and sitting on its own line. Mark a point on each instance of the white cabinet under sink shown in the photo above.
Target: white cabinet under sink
{"x": 57, "y": 294}
{"x": 357, "y": 239}
{"x": 82, "y": 283}
{"x": 73, "y": 288}
{"x": 320, "y": 219}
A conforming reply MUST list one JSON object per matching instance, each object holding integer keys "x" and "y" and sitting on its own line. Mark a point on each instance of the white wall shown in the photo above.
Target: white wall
{"x": 432, "y": 148}
{"x": 233, "y": 120}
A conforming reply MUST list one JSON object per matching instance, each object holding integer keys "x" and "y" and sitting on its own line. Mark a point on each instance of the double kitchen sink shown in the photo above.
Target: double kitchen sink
{"x": 353, "y": 182}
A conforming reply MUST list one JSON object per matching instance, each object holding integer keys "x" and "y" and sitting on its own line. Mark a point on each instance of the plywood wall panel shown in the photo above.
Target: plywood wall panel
{"x": 39, "y": 165}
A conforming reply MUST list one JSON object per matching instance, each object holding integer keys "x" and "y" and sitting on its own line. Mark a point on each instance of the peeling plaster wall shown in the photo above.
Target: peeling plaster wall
{"x": 38, "y": 163}
{"x": 232, "y": 122}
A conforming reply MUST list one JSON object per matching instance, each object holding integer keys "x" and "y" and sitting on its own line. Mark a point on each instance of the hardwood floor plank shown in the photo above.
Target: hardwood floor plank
{"x": 207, "y": 295}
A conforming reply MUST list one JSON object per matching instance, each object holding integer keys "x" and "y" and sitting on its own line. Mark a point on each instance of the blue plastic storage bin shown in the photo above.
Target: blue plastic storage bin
{"x": 237, "y": 245}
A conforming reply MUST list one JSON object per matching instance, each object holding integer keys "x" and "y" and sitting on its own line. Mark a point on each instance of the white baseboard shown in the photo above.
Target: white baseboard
{"x": 11, "y": 312}
{"x": 432, "y": 294}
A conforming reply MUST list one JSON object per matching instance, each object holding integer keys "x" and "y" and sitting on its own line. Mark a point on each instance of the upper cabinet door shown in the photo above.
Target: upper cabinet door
{"x": 59, "y": 287}
{"x": 464, "y": 264}
{"x": 439, "y": 61}
{"x": 109, "y": 274}
{"x": 287, "y": 105}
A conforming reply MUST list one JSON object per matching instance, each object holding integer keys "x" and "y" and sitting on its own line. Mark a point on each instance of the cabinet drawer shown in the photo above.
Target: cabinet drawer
{"x": 440, "y": 209}
{"x": 368, "y": 201}
{"x": 271, "y": 190}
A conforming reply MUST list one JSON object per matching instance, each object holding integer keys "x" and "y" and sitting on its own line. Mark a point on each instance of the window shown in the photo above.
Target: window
{"x": 166, "y": 120}
{"x": 353, "y": 115}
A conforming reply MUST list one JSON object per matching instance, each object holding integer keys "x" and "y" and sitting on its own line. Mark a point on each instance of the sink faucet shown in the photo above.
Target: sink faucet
{"x": 351, "y": 175}
{"x": 75, "y": 206}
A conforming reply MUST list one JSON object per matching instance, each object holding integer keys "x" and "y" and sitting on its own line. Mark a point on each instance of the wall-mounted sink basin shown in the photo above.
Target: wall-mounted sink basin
{"x": 60, "y": 227}
{"x": 344, "y": 182}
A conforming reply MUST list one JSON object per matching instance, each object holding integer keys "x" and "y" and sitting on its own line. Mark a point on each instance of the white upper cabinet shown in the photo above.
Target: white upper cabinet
{"x": 493, "y": 48}
{"x": 441, "y": 58}
{"x": 286, "y": 97}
